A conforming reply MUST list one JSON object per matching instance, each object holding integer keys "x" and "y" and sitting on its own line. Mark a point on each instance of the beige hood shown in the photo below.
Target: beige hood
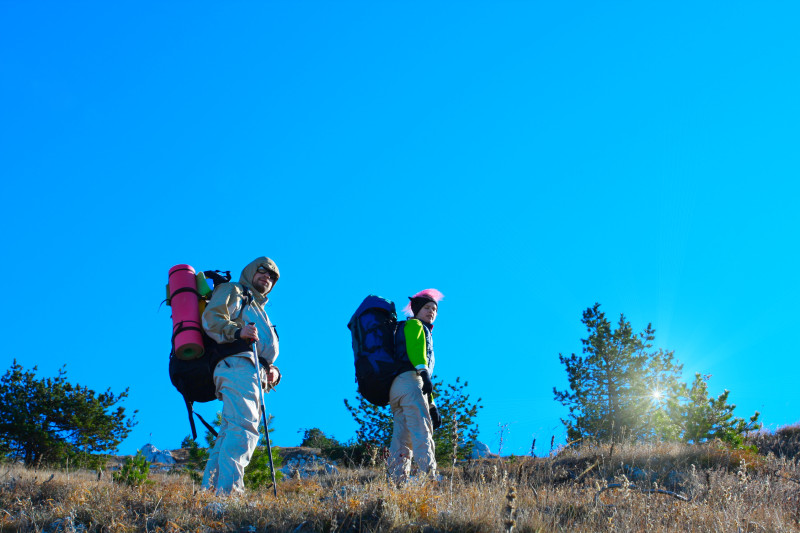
{"x": 249, "y": 271}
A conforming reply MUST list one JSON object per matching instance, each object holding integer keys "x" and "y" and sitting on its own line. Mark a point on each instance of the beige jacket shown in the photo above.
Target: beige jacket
{"x": 223, "y": 316}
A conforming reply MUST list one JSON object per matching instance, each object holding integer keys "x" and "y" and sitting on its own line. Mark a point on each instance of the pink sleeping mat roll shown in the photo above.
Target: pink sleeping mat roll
{"x": 187, "y": 338}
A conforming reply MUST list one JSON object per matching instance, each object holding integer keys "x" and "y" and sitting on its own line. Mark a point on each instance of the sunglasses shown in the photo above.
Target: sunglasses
{"x": 265, "y": 270}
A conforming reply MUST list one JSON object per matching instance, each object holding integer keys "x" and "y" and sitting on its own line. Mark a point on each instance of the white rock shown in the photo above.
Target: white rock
{"x": 154, "y": 455}
{"x": 479, "y": 449}
{"x": 307, "y": 465}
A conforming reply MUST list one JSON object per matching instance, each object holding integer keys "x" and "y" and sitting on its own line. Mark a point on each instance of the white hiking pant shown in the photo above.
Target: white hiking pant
{"x": 412, "y": 435}
{"x": 238, "y": 388}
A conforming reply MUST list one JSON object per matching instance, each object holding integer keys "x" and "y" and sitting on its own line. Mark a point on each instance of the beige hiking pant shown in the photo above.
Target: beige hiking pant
{"x": 237, "y": 387}
{"x": 412, "y": 435}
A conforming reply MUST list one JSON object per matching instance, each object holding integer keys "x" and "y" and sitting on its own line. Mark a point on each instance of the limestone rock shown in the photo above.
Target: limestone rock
{"x": 480, "y": 450}
{"x": 154, "y": 455}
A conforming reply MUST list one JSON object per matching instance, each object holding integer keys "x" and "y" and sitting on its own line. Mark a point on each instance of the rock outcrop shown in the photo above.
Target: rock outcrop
{"x": 154, "y": 455}
{"x": 306, "y": 462}
{"x": 480, "y": 450}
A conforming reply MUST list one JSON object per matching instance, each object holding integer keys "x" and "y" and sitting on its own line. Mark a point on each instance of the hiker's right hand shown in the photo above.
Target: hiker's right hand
{"x": 427, "y": 386}
{"x": 249, "y": 332}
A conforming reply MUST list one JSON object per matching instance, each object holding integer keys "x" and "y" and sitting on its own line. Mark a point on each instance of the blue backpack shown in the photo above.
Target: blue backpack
{"x": 373, "y": 327}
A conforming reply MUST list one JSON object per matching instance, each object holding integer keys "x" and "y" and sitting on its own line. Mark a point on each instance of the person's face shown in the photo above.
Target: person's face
{"x": 428, "y": 312}
{"x": 263, "y": 280}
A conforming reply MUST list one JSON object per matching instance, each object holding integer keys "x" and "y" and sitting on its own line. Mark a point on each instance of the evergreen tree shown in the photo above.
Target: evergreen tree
{"x": 315, "y": 438}
{"x": 620, "y": 385}
{"x": 44, "y": 420}
{"x": 375, "y": 423}
{"x": 257, "y": 473}
{"x": 454, "y": 406}
{"x": 196, "y": 462}
{"x": 352, "y": 452}
{"x": 712, "y": 418}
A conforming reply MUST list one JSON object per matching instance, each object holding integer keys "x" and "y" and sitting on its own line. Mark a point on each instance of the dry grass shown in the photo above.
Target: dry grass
{"x": 785, "y": 442}
{"x": 729, "y": 491}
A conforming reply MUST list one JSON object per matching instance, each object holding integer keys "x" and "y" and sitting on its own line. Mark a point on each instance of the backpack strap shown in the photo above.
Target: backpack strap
{"x": 181, "y": 328}
{"x": 191, "y": 420}
{"x": 223, "y": 350}
{"x": 247, "y": 297}
{"x": 183, "y": 289}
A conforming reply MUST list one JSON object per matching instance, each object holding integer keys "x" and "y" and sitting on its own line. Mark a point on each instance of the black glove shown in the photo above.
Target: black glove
{"x": 427, "y": 386}
{"x": 435, "y": 418}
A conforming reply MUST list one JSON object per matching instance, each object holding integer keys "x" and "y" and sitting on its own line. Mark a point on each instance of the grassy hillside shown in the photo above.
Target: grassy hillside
{"x": 703, "y": 488}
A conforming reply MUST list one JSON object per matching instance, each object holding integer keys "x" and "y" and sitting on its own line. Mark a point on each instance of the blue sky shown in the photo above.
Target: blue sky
{"x": 527, "y": 159}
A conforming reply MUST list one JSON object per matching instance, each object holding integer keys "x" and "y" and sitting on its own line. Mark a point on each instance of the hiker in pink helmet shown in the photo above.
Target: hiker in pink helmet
{"x": 411, "y": 399}
{"x": 236, "y": 318}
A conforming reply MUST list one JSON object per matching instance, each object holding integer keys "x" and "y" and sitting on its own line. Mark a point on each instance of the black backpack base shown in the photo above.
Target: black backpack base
{"x": 194, "y": 378}
{"x": 373, "y": 385}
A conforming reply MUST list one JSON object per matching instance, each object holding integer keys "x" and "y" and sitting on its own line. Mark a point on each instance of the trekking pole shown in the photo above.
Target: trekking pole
{"x": 264, "y": 419}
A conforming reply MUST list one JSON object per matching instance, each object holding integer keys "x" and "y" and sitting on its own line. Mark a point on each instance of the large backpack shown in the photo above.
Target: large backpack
{"x": 373, "y": 327}
{"x": 194, "y": 378}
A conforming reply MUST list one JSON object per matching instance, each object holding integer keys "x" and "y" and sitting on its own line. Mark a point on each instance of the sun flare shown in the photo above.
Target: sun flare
{"x": 656, "y": 395}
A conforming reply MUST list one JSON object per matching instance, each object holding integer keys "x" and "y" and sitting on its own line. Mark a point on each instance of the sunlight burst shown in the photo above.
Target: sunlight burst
{"x": 656, "y": 395}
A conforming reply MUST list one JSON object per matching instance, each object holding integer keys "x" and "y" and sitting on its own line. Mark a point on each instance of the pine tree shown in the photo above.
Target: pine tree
{"x": 257, "y": 473}
{"x": 316, "y": 438}
{"x": 454, "y": 406}
{"x": 621, "y": 387}
{"x": 375, "y": 423}
{"x": 712, "y": 418}
{"x": 196, "y": 462}
{"x": 618, "y": 388}
{"x": 45, "y": 420}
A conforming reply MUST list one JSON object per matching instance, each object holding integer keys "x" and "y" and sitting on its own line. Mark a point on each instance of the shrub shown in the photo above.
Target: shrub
{"x": 330, "y": 448}
{"x": 455, "y": 407}
{"x": 196, "y": 462}
{"x": 315, "y": 438}
{"x": 257, "y": 473}
{"x": 134, "y": 471}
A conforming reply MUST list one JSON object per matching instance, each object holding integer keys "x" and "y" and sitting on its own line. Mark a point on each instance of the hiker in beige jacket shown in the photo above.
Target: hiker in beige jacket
{"x": 233, "y": 318}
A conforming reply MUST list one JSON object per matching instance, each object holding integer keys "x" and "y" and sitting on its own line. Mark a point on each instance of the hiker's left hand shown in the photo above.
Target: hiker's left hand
{"x": 435, "y": 417}
{"x": 273, "y": 375}
{"x": 427, "y": 386}
{"x": 270, "y": 377}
